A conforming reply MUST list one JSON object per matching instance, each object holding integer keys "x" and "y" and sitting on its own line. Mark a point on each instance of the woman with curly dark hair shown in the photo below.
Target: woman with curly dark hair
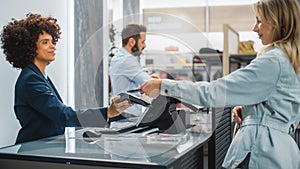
{"x": 29, "y": 44}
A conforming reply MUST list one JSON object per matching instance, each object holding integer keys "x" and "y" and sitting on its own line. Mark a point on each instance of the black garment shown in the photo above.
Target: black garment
{"x": 41, "y": 111}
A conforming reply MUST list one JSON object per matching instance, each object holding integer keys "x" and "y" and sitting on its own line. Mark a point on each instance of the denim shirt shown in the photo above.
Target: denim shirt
{"x": 269, "y": 91}
{"x": 126, "y": 73}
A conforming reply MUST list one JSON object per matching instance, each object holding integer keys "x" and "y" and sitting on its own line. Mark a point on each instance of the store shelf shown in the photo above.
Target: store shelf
{"x": 242, "y": 58}
{"x": 175, "y": 65}
{"x": 182, "y": 65}
{"x": 237, "y": 61}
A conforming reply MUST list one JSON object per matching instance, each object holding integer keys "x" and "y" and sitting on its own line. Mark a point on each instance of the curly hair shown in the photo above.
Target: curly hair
{"x": 19, "y": 37}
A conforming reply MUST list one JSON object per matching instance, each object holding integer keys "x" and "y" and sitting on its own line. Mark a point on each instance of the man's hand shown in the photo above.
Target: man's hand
{"x": 154, "y": 76}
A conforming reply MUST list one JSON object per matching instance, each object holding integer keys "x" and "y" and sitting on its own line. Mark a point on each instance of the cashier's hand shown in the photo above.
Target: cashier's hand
{"x": 151, "y": 87}
{"x": 116, "y": 109}
{"x": 237, "y": 114}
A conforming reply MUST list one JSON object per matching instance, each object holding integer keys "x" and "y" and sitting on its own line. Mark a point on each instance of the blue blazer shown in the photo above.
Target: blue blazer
{"x": 41, "y": 111}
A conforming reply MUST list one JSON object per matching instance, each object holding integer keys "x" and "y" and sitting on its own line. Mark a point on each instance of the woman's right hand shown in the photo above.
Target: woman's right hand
{"x": 237, "y": 114}
{"x": 151, "y": 87}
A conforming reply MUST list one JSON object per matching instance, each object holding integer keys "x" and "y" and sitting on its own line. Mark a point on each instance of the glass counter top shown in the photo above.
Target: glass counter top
{"x": 154, "y": 149}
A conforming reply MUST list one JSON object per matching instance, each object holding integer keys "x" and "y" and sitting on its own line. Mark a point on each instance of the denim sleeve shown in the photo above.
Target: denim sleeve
{"x": 249, "y": 85}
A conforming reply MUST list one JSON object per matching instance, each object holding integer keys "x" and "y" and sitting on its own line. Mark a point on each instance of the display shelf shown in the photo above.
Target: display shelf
{"x": 182, "y": 65}
{"x": 242, "y": 58}
{"x": 175, "y": 65}
{"x": 237, "y": 61}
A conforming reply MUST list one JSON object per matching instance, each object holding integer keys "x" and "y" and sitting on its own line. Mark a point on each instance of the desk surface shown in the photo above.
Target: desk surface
{"x": 126, "y": 149}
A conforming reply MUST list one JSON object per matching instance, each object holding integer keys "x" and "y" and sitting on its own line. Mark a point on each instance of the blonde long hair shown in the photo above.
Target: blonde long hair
{"x": 285, "y": 17}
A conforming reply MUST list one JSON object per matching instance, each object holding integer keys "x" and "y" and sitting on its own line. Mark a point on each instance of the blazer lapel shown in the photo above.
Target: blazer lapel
{"x": 47, "y": 81}
{"x": 54, "y": 89}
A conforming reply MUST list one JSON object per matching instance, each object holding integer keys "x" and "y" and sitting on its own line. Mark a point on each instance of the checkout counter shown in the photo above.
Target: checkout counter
{"x": 162, "y": 138}
{"x": 125, "y": 150}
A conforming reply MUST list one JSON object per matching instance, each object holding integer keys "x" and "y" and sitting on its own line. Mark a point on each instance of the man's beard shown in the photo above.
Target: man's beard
{"x": 135, "y": 50}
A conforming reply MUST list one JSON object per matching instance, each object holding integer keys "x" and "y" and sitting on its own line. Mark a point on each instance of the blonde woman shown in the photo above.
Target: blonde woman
{"x": 268, "y": 90}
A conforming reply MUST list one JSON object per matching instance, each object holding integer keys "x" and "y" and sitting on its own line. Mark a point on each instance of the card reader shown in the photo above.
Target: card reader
{"x": 132, "y": 99}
